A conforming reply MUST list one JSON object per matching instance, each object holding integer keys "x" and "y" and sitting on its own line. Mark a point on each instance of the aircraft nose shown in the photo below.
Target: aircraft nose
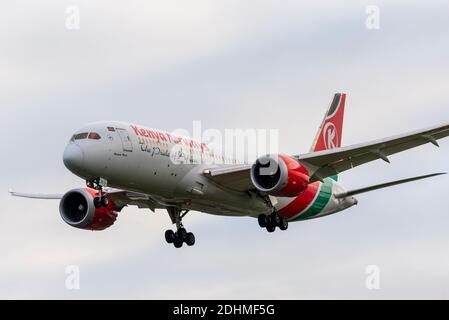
{"x": 73, "y": 157}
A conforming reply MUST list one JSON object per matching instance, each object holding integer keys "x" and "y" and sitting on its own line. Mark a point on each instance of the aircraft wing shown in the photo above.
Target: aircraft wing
{"x": 121, "y": 198}
{"x": 234, "y": 177}
{"x": 354, "y": 192}
{"x": 36, "y": 195}
{"x": 327, "y": 163}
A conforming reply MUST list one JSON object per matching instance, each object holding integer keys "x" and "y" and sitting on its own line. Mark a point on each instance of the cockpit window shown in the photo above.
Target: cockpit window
{"x": 79, "y": 136}
{"x": 94, "y": 136}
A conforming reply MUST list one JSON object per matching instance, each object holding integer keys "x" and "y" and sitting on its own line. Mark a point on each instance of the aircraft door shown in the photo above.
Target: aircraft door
{"x": 126, "y": 139}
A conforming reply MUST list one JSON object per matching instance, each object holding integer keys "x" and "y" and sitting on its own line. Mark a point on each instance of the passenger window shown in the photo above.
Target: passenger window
{"x": 94, "y": 136}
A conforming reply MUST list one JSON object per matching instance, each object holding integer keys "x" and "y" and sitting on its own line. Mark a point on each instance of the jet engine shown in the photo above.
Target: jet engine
{"x": 78, "y": 209}
{"x": 279, "y": 175}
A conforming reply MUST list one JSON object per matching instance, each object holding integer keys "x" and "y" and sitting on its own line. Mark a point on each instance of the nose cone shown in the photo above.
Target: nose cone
{"x": 73, "y": 157}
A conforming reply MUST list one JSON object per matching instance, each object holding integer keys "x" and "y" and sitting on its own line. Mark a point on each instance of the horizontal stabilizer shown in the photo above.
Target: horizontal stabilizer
{"x": 384, "y": 185}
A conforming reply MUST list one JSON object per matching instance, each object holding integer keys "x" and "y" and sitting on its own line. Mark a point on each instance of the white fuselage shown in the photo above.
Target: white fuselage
{"x": 166, "y": 167}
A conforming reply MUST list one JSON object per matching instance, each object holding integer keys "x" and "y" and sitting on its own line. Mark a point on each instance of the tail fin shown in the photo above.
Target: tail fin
{"x": 330, "y": 132}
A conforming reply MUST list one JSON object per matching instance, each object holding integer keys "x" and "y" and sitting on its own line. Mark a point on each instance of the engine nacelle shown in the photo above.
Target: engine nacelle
{"x": 279, "y": 175}
{"x": 77, "y": 209}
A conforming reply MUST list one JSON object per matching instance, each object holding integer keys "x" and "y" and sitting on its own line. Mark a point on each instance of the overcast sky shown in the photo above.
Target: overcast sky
{"x": 231, "y": 64}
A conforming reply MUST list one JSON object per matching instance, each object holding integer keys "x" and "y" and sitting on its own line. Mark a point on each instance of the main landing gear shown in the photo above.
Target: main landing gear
{"x": 101, "y": 200}
{"x": 181, "y": 235}
{"x": 271, "y": 221}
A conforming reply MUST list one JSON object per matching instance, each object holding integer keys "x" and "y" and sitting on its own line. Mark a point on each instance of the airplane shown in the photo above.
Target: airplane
{"x": 126, "y": 164}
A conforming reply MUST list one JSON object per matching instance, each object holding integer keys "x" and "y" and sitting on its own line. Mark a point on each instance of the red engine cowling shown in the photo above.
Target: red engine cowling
{"x": 279, "y": 175}
{"x": 77, "y": 209}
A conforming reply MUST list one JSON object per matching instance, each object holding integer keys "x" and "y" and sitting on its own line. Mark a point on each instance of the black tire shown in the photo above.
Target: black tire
{"x": 177, "y": 241}
{"x": 104, "y": 201}
{"x": 190, "y": 239}
{"x": 262, "y": 219}
{"x": 271, "y": 228}
{"x": 283, "y": 225}
{"x": 97, "y": 202}
{"x": 275, "y": 218}
{"x": 169, "y": 236}
{"x": 182, "y": 234}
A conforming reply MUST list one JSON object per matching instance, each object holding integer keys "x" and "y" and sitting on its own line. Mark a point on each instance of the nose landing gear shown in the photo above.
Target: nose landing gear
{"x": 101, "y": 201}
{"x": 181, "y": 235}
{"x": 98, "y": 184}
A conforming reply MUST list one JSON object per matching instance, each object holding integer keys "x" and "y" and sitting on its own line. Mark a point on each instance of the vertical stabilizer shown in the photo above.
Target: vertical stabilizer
{"x": 330, "y": 133}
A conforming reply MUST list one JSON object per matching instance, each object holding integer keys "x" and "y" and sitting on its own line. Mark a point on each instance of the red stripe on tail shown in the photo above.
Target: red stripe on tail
{"x": 330, "y": 132}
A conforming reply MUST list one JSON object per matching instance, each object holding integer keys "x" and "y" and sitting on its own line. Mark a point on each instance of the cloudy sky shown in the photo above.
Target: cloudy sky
{"x": 231, "y": 64}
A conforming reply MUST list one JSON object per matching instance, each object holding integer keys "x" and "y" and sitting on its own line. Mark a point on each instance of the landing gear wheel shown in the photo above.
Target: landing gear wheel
{"x": 169, "y": 236}
{"x": 283, "y": 225}
{"x": 97, "y": 202}
{"x": 177, "y": 242}
{"x": 262, "y": 219}
{"x": 182, "y": 234}
{"x": 104, "y": 201}
{"x": 275, "y": 218}
{"x": 190, "y": 239}
{"x": 98, "y": 184}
